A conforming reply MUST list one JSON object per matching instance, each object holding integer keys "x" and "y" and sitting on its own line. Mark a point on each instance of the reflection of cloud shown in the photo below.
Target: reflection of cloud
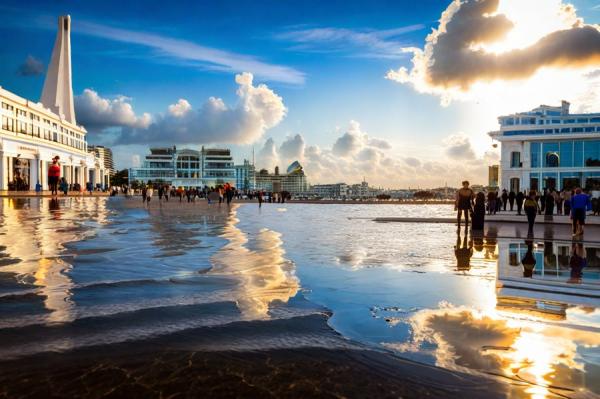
{"x": 466, "y": 339}
{"x": 265, "y": 275}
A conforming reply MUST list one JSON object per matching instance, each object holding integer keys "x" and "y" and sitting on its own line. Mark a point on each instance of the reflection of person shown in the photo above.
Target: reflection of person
{"x": 464, "y": 203}
{"x": 54, "y": 175}
{"x": 528, "y": 260}
{"x": 577, "y": 263}
{"x": 463, "y": 252}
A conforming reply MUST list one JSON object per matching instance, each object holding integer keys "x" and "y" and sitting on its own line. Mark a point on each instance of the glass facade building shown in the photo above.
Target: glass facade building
{"x": 549, "y": 147}
{"x": 186, "y": 168}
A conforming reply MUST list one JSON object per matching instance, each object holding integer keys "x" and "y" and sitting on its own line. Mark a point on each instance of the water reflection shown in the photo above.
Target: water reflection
{"x": 36, "y": 240}
{"x": 266, "y": 275}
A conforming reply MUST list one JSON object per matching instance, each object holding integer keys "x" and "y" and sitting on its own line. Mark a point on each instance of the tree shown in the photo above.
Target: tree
{"x": 423, "y": 195}
{"x": 120, "y": 178}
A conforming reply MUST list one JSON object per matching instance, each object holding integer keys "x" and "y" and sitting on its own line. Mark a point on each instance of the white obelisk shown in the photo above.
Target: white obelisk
{"x": 58, "y": 90}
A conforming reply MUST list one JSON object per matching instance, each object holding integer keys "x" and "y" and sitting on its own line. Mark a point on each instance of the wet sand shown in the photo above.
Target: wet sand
{"x": 194, "y": 363}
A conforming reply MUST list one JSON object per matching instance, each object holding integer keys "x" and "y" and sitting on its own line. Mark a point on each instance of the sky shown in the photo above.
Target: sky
{"x": 400, "y": 93}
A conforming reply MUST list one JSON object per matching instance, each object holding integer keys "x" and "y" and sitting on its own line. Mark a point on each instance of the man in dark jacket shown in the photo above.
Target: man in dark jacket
{"x": 520, "y": 197}
{"x": 504, "y": 199}
{"x": 511, "y": 199}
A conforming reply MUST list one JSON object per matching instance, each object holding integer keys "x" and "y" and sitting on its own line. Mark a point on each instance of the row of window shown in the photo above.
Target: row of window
{"x": 18, "y": 126}
{"x": 575, "y": 153}
{"x": 534, "y": 121}
{"x": 586, "y": 129}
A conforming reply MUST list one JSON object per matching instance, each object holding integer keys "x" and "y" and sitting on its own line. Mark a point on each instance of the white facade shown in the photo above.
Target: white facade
{"x": 549, "y": 147}
{"x": 31, "y": 133}
{"x": 186, "y": 167}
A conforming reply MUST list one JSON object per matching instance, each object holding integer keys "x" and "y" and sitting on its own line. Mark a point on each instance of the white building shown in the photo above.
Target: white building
{"x": 335, "y": 190}
{"x": 32, "y": 133}
{"x": 186, "y": 167}
{"x": 548, "y": 147}
{"x": 293, "y": 181}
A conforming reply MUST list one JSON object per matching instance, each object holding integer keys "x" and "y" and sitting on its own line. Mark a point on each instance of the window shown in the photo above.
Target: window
{"x": 589, "y": 129}
{"x": 552, "y": 160}
{"x": 555, "y": 120}
{"x": 591, "y": 153}
{"x": 535, "y": 155}
{"x": 582, "y": 120}
{"x": 515, "y": 159}
{"x": 569, "y": 121}
{"x": 577, "y": 130}
{"x": 566, "y": 154}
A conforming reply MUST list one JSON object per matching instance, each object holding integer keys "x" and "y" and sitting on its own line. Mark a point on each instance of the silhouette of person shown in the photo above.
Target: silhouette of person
{"x": 528, "y": 260}
{"x": 463, "y": 252}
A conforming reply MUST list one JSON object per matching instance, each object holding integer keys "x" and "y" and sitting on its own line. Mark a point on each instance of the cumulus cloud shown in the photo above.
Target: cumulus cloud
{"x": 489, "y": 40}
{"x": 31, "y": 67}
{"x": 458, "y": 146}
{"x": 353, "y": 155}
{"x": 258, "y": 108}
{"x": 95, "y": 112}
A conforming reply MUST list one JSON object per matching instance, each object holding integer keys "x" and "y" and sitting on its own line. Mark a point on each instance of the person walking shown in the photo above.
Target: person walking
{"x": 477, "y": 222}
{"x": 144, "y": 194}
{"x": 167, "y": 189}
{"x": 161, "y": 192}
{"x": 580, "y": 204}
{"x": 531, "y": 210}
{"x": 549, "y": 211}
{"x": 64, "y": 187}
{"x": 511, "y": 199}
{"x": 520, "y": 198}
{"x": 464, "y": 203}
{"x": 260, "y": 199}
{"x": 566, "y": 197}
{"x": 491, "y": 197}
{"x": 54, "y": 175}
{"x": 149, "y": 192}
{"x": 504, "y": 199}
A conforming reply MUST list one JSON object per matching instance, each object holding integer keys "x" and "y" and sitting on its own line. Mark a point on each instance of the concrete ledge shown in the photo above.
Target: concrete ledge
{"x": 541, "y": 219}
{"x": 48, "y": 194}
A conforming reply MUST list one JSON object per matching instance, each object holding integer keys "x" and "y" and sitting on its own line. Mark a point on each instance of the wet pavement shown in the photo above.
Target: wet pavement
{"x": 108, "y": 298}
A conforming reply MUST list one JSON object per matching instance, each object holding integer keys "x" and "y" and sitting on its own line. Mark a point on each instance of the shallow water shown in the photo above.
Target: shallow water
{"x": 81, "y": 272}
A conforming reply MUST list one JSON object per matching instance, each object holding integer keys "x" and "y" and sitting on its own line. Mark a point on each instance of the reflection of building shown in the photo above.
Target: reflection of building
{"x": 493, "y": 176}
{"x": 551, "y": 277}
{"x": 186, "y": 167}
{"x": 548, "y": 147}
{"x": 105, "y": 154}
{"x": 32, "y": 133}
{"x": 245, "y": 178}
{"x": 294, "y": 181}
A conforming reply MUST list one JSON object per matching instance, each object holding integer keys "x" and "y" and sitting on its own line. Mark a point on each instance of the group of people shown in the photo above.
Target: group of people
{"x": 574, "y": 203}
{"x": 224, "y": 193}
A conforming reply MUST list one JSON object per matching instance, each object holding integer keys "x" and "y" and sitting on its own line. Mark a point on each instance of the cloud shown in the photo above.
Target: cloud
{"x": 353, "y": 155}
{"x": 95, "y": 112}
{"x": 194, "y": 54}
{"x": 480, "y": 41}
{"x": 293, "y": 147}
{"x": 258, "y": 109}
{"x": 458, "y": 146}
{"x": 364, "y": 43}
{"x": 31, "y": 67}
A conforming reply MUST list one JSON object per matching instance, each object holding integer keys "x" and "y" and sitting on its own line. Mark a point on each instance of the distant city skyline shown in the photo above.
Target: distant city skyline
{"x": 347, "y": 91}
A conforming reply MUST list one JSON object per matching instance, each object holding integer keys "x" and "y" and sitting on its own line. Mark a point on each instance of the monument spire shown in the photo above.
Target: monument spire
{"x": 58, "y": 90}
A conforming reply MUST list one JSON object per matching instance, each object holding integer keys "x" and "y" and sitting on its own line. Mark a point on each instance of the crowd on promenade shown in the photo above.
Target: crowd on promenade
{"x": 575, "y": 203}
{"x": 224, "y": 193}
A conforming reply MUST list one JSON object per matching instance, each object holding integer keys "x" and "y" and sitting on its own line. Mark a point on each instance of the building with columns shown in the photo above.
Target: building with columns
{"x": 32, "y": 133}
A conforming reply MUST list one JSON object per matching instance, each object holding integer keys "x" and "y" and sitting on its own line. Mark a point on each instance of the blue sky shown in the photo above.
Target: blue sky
{"x": 327, "y": 60}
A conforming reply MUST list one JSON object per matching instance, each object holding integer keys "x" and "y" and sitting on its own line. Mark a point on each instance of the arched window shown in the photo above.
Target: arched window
{"x": 552, "y": 160}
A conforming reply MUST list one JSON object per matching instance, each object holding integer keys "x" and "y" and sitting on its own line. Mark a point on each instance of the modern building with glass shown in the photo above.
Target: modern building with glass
{"x": 245, "y": 176}
{"x": 293, "y": 181}
{"x": 548, "y": 147}
{"x": 186, "y": 167}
